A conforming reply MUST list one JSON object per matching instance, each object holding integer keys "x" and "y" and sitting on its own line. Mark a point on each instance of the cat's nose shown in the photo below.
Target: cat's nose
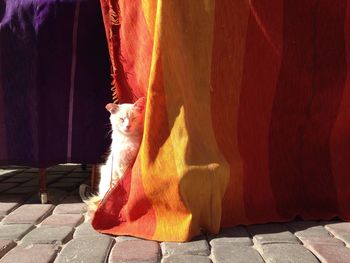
{"x": 127, "y": 127}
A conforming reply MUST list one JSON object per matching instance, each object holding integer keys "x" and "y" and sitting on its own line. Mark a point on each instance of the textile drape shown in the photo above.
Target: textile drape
{"x": 247, "y": 118}
{"x": 54, "y": 82}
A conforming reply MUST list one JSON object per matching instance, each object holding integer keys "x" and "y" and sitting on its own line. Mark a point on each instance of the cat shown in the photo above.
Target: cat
{"x": 127, "y": 130}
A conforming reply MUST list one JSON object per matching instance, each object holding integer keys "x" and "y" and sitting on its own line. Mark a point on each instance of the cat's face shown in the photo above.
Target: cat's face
{"x": 127, "y": 118}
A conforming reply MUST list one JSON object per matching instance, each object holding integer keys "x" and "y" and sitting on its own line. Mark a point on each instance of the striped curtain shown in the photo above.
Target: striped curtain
{"x": 54, "y": 79}
{"x": 247, "y": 119}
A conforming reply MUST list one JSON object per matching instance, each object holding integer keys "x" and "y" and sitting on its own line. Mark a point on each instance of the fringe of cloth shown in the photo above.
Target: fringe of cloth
{"x": 112, "y": 21}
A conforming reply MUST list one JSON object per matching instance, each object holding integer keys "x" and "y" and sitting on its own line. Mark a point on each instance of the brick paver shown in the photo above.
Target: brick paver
{"x": 6, "y": 246}
{"x": 271, "y": 233}
{"x": 126, "y": 238}
{"x": 198, "y": 247}
{"x": 185, "y": 259}
{"x": 26, "y": 175}
{"x": 72, "y": 208}
{"x": 61, "y": 168}
{"x": 335, "y": 253}
{"x": 85, "y": 230}
{"x": 72, "y": 180}
{"x": 8, "y": 172}
{"x": 135, "y": 251}
{"x": 28, "y": 214}
{"x": 340, "y": 230}
{"x": 71, "y": 199}
{"x": 86, "y": 249}
{"x": 71, "y": 220}
{"x": 14, "y": 232}
{"x": 287, "y": 253}
{"x": 7, "y": 186}
{"x": 15, "y": 179}
{"x": 239, "y": 254}
{"x": 22, "y": 190}
{"x": 9, "y": 203}
{"x": 307, "y": 229}
{"x": 32, "y": 182}
{"x": 321, "y": 240}
{"x": 237, "y": 236}
{"x": 31, "y": 254}
{"x": 32, "y": 232}
{"x": 49, "y": 235}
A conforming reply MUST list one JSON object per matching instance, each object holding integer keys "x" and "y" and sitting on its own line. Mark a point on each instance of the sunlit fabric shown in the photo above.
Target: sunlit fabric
{"x": 247, "y": 118}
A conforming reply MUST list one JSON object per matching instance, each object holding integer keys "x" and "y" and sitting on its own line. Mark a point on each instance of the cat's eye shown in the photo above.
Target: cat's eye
{"x": 122, "y": 119}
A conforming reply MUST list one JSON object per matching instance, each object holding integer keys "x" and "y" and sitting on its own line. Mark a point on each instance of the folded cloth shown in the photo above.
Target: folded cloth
{"x": 54, "y": 82}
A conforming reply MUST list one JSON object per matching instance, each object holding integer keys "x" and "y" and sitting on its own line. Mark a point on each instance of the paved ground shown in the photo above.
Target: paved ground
{"x": 58, "y": 232}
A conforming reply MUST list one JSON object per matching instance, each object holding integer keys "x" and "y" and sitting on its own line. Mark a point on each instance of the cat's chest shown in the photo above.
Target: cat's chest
{"x": 125, "y": 147}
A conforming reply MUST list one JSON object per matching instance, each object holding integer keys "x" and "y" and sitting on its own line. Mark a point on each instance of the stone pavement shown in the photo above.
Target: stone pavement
{"x": 59, "y": 232}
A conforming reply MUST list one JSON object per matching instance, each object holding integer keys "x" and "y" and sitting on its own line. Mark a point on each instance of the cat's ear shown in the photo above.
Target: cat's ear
{"x": 140, "y": 104}
{"x": 112, "y": 108}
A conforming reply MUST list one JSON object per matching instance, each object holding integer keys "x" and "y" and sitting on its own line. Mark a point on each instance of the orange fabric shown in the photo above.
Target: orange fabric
{"x": 247, "y": 116}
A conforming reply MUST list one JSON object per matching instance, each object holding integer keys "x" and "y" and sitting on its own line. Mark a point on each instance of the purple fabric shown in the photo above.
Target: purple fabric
{"x": 36, "y": 49}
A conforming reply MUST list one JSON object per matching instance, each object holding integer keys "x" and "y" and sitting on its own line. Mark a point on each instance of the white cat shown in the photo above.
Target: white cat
{"x": 127, "y": 129}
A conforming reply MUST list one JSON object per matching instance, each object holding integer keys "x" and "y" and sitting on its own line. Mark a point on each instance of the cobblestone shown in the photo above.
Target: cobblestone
{"x": 87, "y": 250}
{"x": 26, "y": 174}
{"x": 230, "y": 253}
{"x": 85, "y": 230}
{"x": 8, "y": 172}
{"x": 31, "y": 254}
{"x": 9, "y": 203}
{"x": 72, "y": 180}
{"x": 185, "y": 259}
{"x": 320, "y": 240}
{"x": 21, "y": 242}
{"x": 54, "y": 196}
{"x": 32, "y": 170}
{"x": 14, "y": 232}
{"x": 67, "y": 186}
{"x": 49, "y": 235}
{"x": 237, "y": 236}
{"x": 31, "y": 183}
{"x": 62, "y": 168}
{"x": 6, "y": 186}
{"x": 135, "y": 251}
{"x": 72, "y": 199}
{"x": 307, "y": 229}
{"x": 197, "y": 247}
{"x": 126, "y": 238}
{"x": 287, "y": 253}
{"x": 14, "y": 179}
{"x": 340, "y": 230}
{"x": 5, "y": 246}
{"x": 330, "y": 253}
{"x": 22, "y": 190}
{"x": 75, "y": 208}
{"x": 28, "y": 214}
{"x": 71, "y": 220}
{"x": 271, "y": 233}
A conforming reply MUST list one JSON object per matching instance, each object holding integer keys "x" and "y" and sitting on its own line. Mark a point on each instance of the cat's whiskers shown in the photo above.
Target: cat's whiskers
{"x": 109, "y": 133}
{"x": 110, "y": 130}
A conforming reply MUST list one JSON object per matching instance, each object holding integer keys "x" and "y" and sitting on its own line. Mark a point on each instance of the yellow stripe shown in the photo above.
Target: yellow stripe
{"x": 184, "y": 37}
{"x": 149, "y": 10}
